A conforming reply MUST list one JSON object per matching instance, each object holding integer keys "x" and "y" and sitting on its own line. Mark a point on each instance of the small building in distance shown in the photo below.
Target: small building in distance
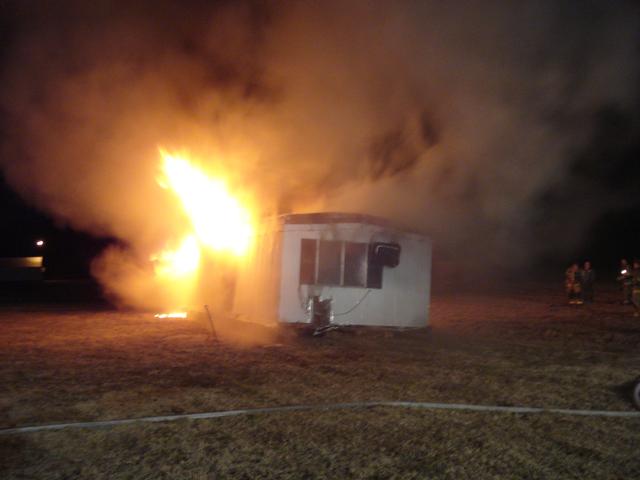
{"x": 366, "y": 270}
{"x": 21, "y": 269}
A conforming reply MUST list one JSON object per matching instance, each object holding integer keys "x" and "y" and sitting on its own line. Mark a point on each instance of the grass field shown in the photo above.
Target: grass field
{"x": 525, "y": 348}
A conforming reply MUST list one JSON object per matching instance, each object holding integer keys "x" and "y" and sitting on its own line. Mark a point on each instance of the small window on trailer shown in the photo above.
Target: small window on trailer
{"x": 329, "y": 263}
{"x": 355, "y": 264}
{"x": 308, "y": 261}
{"x": 337, "y": 263}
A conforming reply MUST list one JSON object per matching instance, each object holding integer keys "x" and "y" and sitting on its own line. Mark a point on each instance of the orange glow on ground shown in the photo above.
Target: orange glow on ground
{"x": 171, "y": 315}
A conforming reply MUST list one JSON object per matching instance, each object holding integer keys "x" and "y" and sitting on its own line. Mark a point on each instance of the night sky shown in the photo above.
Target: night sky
{"x": 605, "y": 172}
{"x": 67, "y": 253}
{"x": 533, "y": 162}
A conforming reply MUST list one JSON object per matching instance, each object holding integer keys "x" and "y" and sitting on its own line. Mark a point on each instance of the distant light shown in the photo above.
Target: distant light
{"x": 39, "y": 243}
{"x": 624, "y": 272}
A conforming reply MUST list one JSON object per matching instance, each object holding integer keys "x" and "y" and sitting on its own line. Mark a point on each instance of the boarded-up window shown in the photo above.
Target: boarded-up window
{"x": 308, "y": 261}
{"x": 329, "y": 262}
{"x": 355, "y": 264}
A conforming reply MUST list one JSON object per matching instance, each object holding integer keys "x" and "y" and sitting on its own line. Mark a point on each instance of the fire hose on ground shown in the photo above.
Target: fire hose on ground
{"x": 322, "y": 407}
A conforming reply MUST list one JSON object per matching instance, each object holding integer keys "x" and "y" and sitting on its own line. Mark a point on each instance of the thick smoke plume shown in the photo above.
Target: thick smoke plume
{"x": 453, "y": 118}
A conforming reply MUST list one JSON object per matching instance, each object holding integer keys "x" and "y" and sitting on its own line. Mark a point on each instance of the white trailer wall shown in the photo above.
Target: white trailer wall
{"x": 403, "y": 300}
{"x": 257, "y": 285}
{"x": 268, "y": 284}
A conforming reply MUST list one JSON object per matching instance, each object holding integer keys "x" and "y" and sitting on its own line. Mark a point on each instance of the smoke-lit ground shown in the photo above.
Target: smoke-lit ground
{"x": 527, "y": 348}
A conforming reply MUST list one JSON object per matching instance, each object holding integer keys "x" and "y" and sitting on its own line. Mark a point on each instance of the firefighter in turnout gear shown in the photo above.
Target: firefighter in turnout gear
{"x": 587, "y": 282}
{"x": 635, "y": 287}
{"x": 625, "y": 278}
{"x": 572, "y": 284}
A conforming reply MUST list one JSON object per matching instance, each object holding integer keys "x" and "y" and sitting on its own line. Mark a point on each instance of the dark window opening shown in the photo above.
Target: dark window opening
{"x": 374, "y": 271}
{"x": 308, "y": 261}
{"x": 355, "y": 264}
{"x": 329, "y": 262}
{"x": 338, "y": 263}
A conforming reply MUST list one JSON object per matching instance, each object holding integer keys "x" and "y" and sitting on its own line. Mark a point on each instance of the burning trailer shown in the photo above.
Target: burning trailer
{"x": 330, "y": 269}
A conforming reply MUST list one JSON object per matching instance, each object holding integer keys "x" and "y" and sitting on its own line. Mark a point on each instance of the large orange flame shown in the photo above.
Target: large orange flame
{"x": 180, "y": 262}
{"x": 218, "y": 221}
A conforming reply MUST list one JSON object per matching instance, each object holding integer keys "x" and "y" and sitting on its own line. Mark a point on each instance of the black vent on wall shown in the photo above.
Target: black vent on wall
{"x": 385, "y": 254}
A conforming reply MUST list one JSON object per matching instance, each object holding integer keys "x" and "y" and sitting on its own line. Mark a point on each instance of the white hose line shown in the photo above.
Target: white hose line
{"x": 332, "y": 406}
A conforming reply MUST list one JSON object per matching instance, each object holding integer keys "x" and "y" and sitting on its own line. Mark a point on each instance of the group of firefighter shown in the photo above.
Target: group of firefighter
{"x": 579, "y": 283}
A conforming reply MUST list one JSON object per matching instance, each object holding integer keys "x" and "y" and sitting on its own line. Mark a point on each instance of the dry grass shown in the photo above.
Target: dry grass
{"x": 521, "y": 349}
{"x": 378, "y": 443}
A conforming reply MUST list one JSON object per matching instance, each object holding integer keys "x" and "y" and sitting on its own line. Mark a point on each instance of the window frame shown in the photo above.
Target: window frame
{"x": 365, "y": 252}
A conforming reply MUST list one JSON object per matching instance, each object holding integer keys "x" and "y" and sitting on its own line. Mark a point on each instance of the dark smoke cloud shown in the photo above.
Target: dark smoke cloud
{"x": 450, "y": 117}
{"x": 514, "y": 94}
